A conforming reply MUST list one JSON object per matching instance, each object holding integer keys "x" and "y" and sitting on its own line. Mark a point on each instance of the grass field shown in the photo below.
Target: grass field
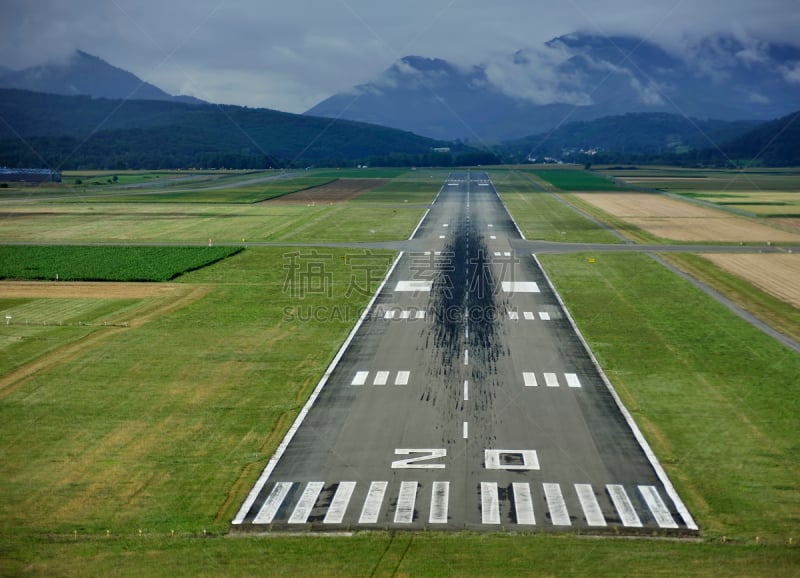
{"x": 542, "y": 216}
{"x": 130, "y": 450}
{"x": 139, "y": 223}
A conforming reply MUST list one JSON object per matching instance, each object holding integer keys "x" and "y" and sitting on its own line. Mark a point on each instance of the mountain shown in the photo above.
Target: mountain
{"x": 86, "y": 74}
{"x": 632, "y": 134}
{"x": 577, "y": 77}
{"x": 81, "y": 132}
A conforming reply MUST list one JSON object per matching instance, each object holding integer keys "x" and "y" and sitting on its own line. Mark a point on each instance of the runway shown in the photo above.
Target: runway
{"x": 465, "y": 400}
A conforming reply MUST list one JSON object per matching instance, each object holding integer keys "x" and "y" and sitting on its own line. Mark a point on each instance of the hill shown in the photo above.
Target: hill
{"x": 631, "y": 134}
{"x": 577, "y": 77}
{"x": 83, "y": 73}
{"x": 81, "y": 132}
{"x": 775, "y": 143}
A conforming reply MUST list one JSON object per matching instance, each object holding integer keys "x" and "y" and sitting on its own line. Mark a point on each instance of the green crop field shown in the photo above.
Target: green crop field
{"x": 87, "y": 263}
{"x": 127, "y": 449}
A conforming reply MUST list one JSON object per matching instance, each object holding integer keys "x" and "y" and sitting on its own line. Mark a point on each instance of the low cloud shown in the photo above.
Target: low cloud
{"x": 535, "y": 75}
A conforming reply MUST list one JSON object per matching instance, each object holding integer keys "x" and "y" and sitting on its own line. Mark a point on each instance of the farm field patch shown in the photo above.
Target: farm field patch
{"x": 667, "y": 218}
{"x": 778, "y": 275}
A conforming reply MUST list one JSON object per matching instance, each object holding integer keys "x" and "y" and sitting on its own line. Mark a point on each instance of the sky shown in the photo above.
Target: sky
{"x": 291, "y": 54}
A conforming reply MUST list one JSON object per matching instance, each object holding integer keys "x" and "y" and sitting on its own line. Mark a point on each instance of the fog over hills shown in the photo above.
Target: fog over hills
{"x": 576, "y": 77}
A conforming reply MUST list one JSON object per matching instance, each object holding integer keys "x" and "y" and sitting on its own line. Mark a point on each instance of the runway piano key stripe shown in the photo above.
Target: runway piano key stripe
{"x": 404, "y": 513}
{"x": 523, "y": 503}
{"x": 277, "y": 504}
{"x": 339, "y": 504}
{"x": 591, "y": 508}
{"x": 490, "y": 503}
{"x": 556, "y": 505}
{"x": 440, "y": 498}
{"x": 625, "y": 509}
{"x": 372, "y": 505}
{"x": 303, "y": 508}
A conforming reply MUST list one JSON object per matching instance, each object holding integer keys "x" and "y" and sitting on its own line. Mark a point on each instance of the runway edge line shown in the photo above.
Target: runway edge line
{"x": 648, "y": 451}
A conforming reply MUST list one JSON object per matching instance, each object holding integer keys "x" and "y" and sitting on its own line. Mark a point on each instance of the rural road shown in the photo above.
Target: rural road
{"x": 465, "y": 400}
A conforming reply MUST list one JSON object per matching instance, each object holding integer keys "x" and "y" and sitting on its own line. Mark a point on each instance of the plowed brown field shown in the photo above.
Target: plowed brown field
{"x": 777, "y": 274}
{"x": 682, "y": 221}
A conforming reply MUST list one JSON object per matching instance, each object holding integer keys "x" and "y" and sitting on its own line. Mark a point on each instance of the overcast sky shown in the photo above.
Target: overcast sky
{"x": 290, "y": 54}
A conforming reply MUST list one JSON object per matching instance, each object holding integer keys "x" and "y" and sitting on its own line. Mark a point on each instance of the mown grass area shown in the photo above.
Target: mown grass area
{"x": 776, "y": 313}
{"x": 380, "y": 554}
{"x": 411, "y": 187}
{"x": 91, "y": 263}
{"x": 542, "y": 216}
{"x": 166, "y": 425}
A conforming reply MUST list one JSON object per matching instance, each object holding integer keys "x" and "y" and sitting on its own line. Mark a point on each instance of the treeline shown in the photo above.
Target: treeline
{"x": 83, "y": 133}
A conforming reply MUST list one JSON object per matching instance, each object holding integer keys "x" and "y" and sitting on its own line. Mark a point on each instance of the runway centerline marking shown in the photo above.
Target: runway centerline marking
{"x": 466, "y": 390}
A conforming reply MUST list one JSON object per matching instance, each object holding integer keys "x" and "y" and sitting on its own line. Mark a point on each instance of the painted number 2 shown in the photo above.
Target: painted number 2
{"x": 414, "y": 462}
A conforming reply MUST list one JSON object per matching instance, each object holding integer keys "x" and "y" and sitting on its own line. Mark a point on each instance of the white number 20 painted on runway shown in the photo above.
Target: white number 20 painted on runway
{"x": 494, "y": 459}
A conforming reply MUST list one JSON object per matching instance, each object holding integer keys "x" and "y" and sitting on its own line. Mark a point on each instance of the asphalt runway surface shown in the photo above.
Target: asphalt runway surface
{"x": 465, "y": 400}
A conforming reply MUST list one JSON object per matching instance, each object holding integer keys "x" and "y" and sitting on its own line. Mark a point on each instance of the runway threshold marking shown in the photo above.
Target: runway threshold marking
{"x": 660, "y": 512}
{"x": 404, "y": 513}
{"x": 559, "y": 515}
{"x": 523, "y": 503}
{"x": 440, "y": 499}
{"x": 273, "y": 502}
{"x": 339, "y": 504}
{"x": 490, "y": 503}
{"x": 529, "y": 379}
{"x": 624, "y": 507}
{"x": 521, "y": 497}
{"x": 372, "y": 505}
{"x": 591, "y": 508}
{"x": 303, "y": 508}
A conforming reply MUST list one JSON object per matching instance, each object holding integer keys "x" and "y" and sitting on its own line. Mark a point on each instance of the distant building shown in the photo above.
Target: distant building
{"x": 441, "y": 149}
{"x": 30, "y": 175}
